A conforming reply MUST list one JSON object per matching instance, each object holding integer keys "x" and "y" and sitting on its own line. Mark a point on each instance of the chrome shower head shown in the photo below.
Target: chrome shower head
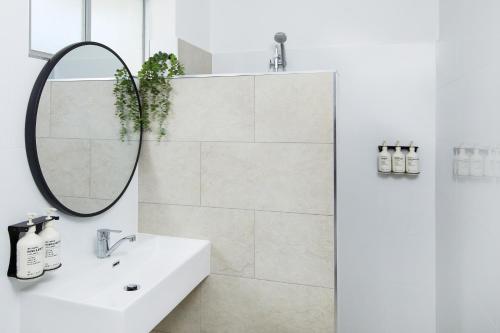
{"x": 280, "y": 37}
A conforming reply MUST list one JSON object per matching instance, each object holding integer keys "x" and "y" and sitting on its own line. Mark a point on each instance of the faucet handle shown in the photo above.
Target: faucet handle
{"x": 104, "y": 233}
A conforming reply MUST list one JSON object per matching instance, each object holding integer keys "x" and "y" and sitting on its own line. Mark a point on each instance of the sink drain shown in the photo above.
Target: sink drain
{"x": 131, "y": 287}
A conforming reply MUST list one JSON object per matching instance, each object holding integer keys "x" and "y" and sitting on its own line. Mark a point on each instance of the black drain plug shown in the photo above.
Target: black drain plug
{"x": 131, "y": 287}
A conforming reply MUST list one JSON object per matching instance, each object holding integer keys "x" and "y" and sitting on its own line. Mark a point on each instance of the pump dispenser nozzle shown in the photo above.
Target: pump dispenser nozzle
{"x": 50, "y": 212}
{"x": 31, "y": 216}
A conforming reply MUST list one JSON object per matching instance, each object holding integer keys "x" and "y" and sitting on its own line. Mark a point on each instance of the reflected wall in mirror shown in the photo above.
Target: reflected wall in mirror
{"x": 76, "y": 156}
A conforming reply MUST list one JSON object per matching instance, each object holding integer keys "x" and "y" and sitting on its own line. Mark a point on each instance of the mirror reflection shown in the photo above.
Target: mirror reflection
{"x": 83, "y": 159}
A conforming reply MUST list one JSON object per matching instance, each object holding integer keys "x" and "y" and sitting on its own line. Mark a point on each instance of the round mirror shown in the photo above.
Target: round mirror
{"x": 79, "y": 156}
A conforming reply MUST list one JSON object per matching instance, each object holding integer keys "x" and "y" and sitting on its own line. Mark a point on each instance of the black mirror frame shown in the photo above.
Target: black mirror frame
{"x": 30, "y": 130}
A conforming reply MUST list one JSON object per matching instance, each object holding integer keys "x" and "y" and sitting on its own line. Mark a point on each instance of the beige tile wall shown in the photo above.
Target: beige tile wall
{"x": 248, "y": 164}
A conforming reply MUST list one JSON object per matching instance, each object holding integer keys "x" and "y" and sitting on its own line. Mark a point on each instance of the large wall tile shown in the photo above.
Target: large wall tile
{"x": 241, "y": 305}
{"x": 112, "y": 162}
{"x": 186, "y": 317}
{"x": 295, "y": 178}
{"x": 169, "y": 172}
{"x": 294, "y": 108}
{"x": 231, "y": 232}
{"x": 277, "y": 177}
{"x": 228, "y": 175}
{"x": 295, "y": 248}
{"x": 65, "y": 164}
{"x": 212, "y": 109}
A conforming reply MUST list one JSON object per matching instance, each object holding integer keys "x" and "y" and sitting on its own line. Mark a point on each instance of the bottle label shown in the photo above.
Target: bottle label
{"x": 30, "y": 262}
{"x": 384, "y": 164}
{"x": 412, "y": 165}
{"x": 463, "y": 167}
{"x": 497, "y": 168}
{"x": 52, "y": 254}
{"x": 476, "y": 168}
{"x": 398, "y": 164}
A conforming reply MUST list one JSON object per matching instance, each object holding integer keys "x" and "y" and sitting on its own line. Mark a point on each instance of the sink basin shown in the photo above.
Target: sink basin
{"x": 90, "y": 296}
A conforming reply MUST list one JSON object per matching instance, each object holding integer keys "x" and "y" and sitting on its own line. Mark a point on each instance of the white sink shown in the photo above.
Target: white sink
{"x": 90, "y": 297}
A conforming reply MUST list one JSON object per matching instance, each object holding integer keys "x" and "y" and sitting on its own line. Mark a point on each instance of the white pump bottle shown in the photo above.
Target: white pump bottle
{"x": 398, "y": 160}
{"x": 384, "y": 160}
{"x": 30, "y": 253}
{"x": 412, "y": 161}
{"x": 52, "y": 240}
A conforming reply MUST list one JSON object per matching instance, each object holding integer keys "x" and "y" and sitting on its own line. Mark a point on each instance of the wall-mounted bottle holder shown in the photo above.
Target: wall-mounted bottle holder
{"x": 393, "y": 148}
{"x": 15, "y": 232}
{"x": 476, "y": 163}
{"x": 404, "y": 148}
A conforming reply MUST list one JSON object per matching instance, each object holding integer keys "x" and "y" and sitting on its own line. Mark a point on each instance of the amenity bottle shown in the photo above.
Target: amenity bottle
{"x": 30, "y": 253}
{"x": 384, "y": 160}
{"x": 398, "y": 160}
{"x": 52, "y": 240}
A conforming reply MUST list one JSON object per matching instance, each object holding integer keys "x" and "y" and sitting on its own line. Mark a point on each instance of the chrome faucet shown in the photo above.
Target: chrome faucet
{"x": 103, "y": 249}
{"x": 279, "y": 60}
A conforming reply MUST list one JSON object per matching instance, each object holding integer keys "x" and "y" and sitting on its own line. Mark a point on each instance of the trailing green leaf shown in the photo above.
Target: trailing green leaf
{"x": 154, "y": 92}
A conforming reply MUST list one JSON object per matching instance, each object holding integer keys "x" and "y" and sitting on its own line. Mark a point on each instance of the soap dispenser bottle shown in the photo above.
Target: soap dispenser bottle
{"x": 497, "y": 162}
{"x": 398, "y": 160}
{"x": 52, "y": 240}
{"x": 489, "y": 163}
{"x": 462, "y": 162}
{"x": 30, "y": 253}
{"x": 412, "y": 161}
{"x": 384, "y": 160}
{"x": 476, "y": 164}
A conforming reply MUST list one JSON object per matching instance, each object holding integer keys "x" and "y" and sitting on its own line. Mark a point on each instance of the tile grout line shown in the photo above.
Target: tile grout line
{"x": 240, "y": 142}
{"x": 254, "y": 108}
{"x": 254, "y": 247}
{"x": 232, "y": 208}
{"x": 273, "y": 281}
{"x": 201, "y": 145}
{"x": 254, "y": 214}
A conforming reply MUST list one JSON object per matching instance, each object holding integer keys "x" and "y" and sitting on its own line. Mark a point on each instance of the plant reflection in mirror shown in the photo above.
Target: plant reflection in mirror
{"x": 154, "y": 92}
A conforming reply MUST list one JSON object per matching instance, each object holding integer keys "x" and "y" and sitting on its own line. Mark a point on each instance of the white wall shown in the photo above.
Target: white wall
{"x": 468, "y": 228}
{"x": 384, "y": 52}
{"x": 118, "y": 24}
{"x": 239, "y": 25}
{"x": 161, "y": 20}
{"x": 193, "y": 22}
{"x": 169, "y": 20}
{"x": 55, "y": 24}
{"x": 18, "y": 193}
{"x": 385, "y": 225}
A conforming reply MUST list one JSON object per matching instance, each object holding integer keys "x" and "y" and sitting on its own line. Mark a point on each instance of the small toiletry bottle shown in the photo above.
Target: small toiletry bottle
{"x": 412, "y": 161}
{"x": 384, "y": 160}
{"x": 52, "y": 240}
{"x": 497, "y": 162}
{"x": 462, "y": 162}
{"x": 476, "y": 164}
{"x": 398, "y": 160}
{"x": 489, "y": 163}
{"x": 30, "y": 253}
